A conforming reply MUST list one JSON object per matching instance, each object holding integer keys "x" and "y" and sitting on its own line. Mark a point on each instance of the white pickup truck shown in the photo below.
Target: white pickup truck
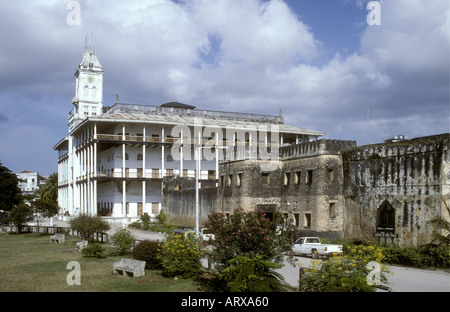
{"x": 312, "y": 246}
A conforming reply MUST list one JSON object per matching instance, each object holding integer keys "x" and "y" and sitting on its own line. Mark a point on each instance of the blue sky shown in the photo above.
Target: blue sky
{"x": 317, "y": 60}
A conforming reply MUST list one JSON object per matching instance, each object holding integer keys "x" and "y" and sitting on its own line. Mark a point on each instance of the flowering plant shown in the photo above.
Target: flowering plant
{"x": 181, "y": 256}
{"x": 358, "y": 269}
{"x": 124, "y": 241}
{"x": 249, "y": 233}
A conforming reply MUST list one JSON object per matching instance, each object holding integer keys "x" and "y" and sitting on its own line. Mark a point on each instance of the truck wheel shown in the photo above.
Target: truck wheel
{"x": 315, "y": 254}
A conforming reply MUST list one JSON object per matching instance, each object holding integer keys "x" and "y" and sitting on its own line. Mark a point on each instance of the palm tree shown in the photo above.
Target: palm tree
{"x": 49, "y": 191}
{"x": 442, "y": 228}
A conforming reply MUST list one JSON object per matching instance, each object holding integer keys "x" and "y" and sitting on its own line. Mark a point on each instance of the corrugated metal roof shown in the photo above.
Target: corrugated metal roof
{"x": 205, "y": 121}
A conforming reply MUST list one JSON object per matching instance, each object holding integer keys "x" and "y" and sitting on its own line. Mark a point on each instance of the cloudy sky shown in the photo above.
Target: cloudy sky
{"x": 318, "y": 60}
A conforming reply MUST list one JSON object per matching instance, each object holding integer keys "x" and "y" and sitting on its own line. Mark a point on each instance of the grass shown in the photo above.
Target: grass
{"x": 30, "y": 263}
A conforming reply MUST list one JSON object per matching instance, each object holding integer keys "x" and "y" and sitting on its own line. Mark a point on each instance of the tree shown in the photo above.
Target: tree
{"x": 44, "y": 209}
{"x": 19, "y": 216}
{"x": 10, "y": 195}
{"x": 87, "y": 226}
{"x": 49, "y": 191}
{"x": 249, "y": 234}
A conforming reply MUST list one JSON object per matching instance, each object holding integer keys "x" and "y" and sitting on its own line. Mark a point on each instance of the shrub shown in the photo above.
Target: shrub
{"x": 252, "y": 274}
{"x": 357, "y": 270}
{"x": 93, "y": 250}
{"x": 124, "y": 240}
{"x": 145, "y": 219}
{"x": 19, "y": 216}
{"x": 181, "y": 256}
{"x": 148, "y": 251}
{"x": 87, "y": 226}
{"x": 247, "y": 233}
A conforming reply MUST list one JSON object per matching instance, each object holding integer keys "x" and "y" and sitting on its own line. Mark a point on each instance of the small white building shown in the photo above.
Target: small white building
{"x": 29, "y": 181}
{"x": 114, "y": 159}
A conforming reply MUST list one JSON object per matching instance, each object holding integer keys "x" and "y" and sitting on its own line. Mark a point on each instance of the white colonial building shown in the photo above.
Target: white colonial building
{"x": 114, "y": 159}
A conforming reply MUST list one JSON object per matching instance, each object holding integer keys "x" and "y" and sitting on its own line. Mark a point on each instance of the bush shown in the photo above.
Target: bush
{"x": 87, "y": 226}
{"x": 19, "y": 216}
{"x": 181, "y": 256}
{"x": 93, "y": 250}
{"x": 145, "y": 218}
{"x": 357, "y": 270}
{"x": 148, "y": 251}
{"x": 124, "y": 240}
{"x": 248, "y": 233}
{"x": 427, "y": 256}
{"x": 252, "y": 274}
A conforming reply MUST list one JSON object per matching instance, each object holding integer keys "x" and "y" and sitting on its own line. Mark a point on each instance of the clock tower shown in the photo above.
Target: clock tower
{"x": 88, "y": 100}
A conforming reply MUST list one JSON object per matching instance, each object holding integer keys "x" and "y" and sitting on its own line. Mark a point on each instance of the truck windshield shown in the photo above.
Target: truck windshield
{"x": 313, "y": 240}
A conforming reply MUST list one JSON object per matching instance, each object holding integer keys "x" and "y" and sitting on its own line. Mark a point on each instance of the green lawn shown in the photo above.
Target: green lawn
{"x": 30, "y": 263}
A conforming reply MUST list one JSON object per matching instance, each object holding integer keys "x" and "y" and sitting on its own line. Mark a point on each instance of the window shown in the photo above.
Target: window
{"x": 139, "y": 209}
{"x": 265, "y": 178}
{"x": 332, "y": 210}
{"x": 331, "y": 175}
{"x": 297, "y": 177}
{"x": 185, "y": 172}
{"x": 307, "y": 220}
{"x": 287, "y": 176}
{"x": 126, "y": 156}
{"x": 239, "y": 179}
{"x": 169, "y": 158}
{"x": 155, "y": 173}
{"x": 386, "y": 217}
{"x": 229, "y": 179}
{"x": 140, "y": 157}
{"x": 309, "y": 175}
{"x": 169, "y": 172}
{"x": 296, "y": 219}
{"x": 155, "y": 208}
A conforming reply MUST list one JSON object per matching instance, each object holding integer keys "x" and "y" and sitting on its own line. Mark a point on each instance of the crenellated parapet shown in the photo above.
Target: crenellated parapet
{"x": 314, "y": 148}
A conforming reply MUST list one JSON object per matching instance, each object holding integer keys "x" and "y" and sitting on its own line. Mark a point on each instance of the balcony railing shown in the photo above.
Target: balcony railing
{"x": 141, "y": 175}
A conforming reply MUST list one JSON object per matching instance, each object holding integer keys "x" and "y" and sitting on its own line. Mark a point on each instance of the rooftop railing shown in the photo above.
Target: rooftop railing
{"x": 160, "y": 110}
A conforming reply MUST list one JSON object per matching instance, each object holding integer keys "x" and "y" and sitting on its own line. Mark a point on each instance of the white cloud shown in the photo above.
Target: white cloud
{"x": 251, "y": 56}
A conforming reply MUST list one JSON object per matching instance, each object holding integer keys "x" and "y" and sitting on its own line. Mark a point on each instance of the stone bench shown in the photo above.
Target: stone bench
{"x": 128, "y": 267}
{"x": 81, "y": 245}
{"x": 58, "y": 238}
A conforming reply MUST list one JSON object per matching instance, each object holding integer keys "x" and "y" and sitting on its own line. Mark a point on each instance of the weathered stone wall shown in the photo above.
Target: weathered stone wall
{"x": 241, "y": 185}
{"x": 178, "y": 198}
{"x": 409, "y": 177}
{"x": 305, "y": 185}
{"x": 315, "y": 187}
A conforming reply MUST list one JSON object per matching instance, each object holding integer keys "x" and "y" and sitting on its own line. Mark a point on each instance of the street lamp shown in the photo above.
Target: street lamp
{"x": 197, "y": 173}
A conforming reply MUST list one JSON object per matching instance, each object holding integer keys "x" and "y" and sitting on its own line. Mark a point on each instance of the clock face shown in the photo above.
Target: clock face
{"x": 91, "y": 79}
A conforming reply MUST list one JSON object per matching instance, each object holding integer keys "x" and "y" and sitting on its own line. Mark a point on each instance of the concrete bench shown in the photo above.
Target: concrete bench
{"x": 128, "y": 267}
{"x": 58, "y": 238}
{"x": 81, "y": 245}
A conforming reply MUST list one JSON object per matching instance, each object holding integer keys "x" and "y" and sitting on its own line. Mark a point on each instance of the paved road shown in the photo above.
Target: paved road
{"x": 403, "y": 280}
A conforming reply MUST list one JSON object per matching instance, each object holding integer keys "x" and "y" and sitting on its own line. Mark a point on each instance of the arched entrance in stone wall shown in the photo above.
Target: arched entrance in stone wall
{"x": 386, "y": 217}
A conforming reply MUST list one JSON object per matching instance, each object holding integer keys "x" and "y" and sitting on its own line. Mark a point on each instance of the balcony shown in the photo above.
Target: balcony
{"x": 140, "y": 176}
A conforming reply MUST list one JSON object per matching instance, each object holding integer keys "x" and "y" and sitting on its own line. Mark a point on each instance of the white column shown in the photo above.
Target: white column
{"x": 217, "y": 155}
{"x": 95, "y": 198}
{"x": 144, "y": 197}
{"x": 144, "y": 187}
{"x": 143, "y": 154}
{"x": 181, "y": 154}
{"x": 200, "y": 153}
{"x": 162, "y": 152}
{"x": 124, "y": 183}
{"x": 124, "y": 198}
